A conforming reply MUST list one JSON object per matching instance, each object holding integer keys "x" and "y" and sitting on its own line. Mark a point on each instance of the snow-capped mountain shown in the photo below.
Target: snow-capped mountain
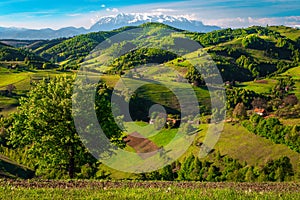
{"x": 106, "y": 24}
{"x": 120, "y": 20}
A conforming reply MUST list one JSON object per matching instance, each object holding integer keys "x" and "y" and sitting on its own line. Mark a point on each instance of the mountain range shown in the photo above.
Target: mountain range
{"x": 120, "y": 20}
{"x": 106, "y": 24}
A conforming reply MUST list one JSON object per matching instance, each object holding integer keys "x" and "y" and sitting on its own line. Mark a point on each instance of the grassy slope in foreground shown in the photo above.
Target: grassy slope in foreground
{"x": 145, "y": 190}
{"x": 141, "y": 193}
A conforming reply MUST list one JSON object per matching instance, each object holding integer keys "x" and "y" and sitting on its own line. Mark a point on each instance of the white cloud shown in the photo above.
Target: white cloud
{"x": 115, "y": 10}
{"x": 163, "y": 10}
{"x": 74, "y": 14}
{"x": 103, "y": 6}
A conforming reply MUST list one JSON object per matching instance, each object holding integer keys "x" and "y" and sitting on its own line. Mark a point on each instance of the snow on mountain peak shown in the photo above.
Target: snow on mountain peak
{"x": 134, "y": 19}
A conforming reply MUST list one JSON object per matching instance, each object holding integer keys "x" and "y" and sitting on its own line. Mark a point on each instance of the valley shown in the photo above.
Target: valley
{"x": 260, "y": 70}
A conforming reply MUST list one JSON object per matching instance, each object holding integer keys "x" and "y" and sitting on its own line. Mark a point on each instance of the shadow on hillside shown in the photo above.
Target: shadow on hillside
{"x": 13, "y": 170}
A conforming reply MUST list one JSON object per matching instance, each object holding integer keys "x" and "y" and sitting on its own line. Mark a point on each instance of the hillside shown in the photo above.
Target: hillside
{"x": 253, "y": 52}
{"x": 244, "y": 146}
{"x": 18, "y": 43}
{"x": 70, "y": 52}
{"x": 288, "y": 32}
{"x": 295, "y": 74}
{"x": 254, "y": 150}
{"x": 9, "y": 53}
{"x": 240, "y": 54}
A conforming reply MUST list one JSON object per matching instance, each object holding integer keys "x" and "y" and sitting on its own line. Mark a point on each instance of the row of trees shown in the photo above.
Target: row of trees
{"x": 224, "y": 168}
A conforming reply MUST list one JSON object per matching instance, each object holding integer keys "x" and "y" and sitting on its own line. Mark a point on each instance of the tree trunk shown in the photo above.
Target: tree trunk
{"x": 71, "y": 163}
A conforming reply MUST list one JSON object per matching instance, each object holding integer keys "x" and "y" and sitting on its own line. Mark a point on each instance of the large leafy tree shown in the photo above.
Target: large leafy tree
{"x": 44, "y": 125}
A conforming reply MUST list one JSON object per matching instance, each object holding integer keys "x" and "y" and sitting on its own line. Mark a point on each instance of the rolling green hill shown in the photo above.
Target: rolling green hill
{"x": 235, "y": 142}
{"x": 254, "y": 55}
{"x": 241, "y": 54}
{"x": 9, "y": 53}
{"x": 71, "y": 51}
{"x": 291, "y": 33}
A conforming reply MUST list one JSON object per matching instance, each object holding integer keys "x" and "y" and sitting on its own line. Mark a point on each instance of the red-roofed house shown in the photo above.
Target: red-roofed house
{"x": 261, "y": 112}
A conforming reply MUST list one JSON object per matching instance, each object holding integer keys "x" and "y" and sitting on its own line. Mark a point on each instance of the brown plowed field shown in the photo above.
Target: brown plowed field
{"x": 144, "y": 147}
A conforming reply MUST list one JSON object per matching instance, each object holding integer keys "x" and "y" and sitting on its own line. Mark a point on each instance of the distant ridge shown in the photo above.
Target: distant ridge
{"x": 41, "y": 34}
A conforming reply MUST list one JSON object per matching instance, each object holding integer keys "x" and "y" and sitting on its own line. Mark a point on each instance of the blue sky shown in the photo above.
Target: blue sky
{"x": 225, "y": 13}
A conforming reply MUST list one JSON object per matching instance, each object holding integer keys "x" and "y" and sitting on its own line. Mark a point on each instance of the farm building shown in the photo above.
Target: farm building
{"x": 261, "y": 112}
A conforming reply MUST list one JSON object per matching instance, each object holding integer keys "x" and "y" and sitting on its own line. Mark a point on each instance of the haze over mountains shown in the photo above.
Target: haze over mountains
{"x": 106, "y": 24}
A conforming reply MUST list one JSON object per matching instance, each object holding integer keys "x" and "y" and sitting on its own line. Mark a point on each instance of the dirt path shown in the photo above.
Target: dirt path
{"x": 255, "y": 187}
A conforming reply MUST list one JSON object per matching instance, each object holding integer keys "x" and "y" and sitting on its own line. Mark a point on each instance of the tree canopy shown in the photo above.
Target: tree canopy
{"x": 44, "y": 125}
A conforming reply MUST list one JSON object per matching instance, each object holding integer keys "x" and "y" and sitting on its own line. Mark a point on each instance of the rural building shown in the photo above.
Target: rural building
{"x": 261, "y": 112}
